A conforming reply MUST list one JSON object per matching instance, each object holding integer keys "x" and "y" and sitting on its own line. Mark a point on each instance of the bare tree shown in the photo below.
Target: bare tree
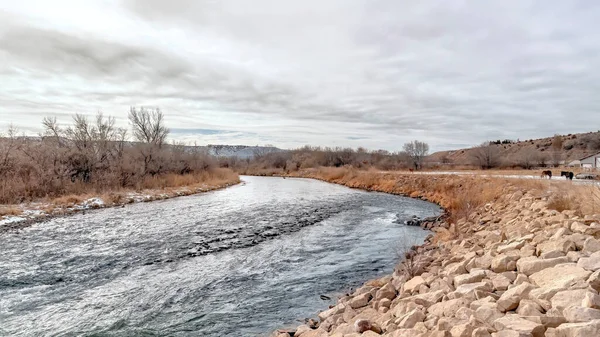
{"x": 417, "y": 151}
{"x": 149, "y": 129}
{"x": 486, "y": 156}
{"x": 148, "y": 125}
{"x": 52, "y": 129}
{"x": 527, "y": 158}
{"x": 8, "y": 145}
{"x": 541, "y": 159}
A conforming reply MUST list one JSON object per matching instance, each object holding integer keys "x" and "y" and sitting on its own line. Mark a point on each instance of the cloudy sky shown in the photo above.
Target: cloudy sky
{"x": 373, "y": 73}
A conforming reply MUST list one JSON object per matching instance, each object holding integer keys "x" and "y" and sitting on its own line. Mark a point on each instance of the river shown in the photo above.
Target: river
{"x": 241, "y": 261}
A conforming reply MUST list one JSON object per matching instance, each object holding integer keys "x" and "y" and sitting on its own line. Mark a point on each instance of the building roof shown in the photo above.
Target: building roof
{"x": 590, "y": 156}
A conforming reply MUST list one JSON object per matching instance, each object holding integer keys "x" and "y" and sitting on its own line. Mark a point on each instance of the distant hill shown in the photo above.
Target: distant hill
{"x": 239, "y": 151}
{"x": 549, "y": 151}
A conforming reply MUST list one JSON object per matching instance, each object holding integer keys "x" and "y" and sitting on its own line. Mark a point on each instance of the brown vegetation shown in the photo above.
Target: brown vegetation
{"x": 462, "y": 196}
{"x": 459, "y": 195}
{"x": 96, "y": 157}
{"x": 545, "y": 152}
{"x": 313, "y": 157}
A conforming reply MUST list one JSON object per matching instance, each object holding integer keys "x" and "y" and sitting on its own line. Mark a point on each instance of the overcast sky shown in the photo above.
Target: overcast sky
{"x": 354, "y": 73}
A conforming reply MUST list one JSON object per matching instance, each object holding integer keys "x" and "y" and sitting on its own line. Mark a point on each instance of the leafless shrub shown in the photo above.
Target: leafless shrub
{"x": 94, "y": 156}
{"x": 313, "y": 157}
{"x": 486, "y": 156}
{"x": 411, "y": 264}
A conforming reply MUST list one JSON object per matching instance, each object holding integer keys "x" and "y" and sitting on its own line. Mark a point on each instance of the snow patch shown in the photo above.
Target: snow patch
{"x": 11, "y": 219}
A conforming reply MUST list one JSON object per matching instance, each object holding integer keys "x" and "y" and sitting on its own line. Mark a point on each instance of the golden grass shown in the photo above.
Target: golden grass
{"x": 562, "y": 202}
{"x": 10, "y": 210}
{"x": 457, "y": 194}
{"x": 460, "y": 195}
{"x": 69, "y": 200}
{"x": 584, "y": 199}
{"x": 170, "y": 185}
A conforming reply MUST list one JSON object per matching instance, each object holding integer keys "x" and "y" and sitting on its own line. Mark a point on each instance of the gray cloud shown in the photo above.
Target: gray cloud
{"x": 341, "y": 73}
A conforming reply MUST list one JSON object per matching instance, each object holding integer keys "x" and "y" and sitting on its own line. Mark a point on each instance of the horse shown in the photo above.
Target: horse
{"x": 567, "y": 174}
{"x": 546, "y": 174}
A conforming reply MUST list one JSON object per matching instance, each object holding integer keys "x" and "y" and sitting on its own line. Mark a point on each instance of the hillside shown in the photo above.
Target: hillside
{"x": 239, "y": 151}
{"x": 551, "y": 151}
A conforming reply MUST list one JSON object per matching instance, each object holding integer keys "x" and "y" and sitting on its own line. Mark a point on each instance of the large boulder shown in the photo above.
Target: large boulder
{"x": 594, "y": 280}
{"x": 591, "y": 263}
{"x": 563, "y": 245}
{"x": 504, "y": 262}
{"x": 529, "y": 308}
{"x": 523, "y": 326}
{"x": 566, "y": 298}
{"x": 531, "y": 265}
{"x": 512, "y": 297}
{"x": 448, "y": 308}
{"x": 360, "y": 301}
{"x": 591, "y": 300}
{"x": 462, "y": 330}
{"x": 388, "y": 291}
{"x": 413, "y": 284}
{"x": 470, "y": 289}
{"x": 426, "y": 300}
{"x": 338, "y": 309}
{"x": 591, "y": 245}
{"x": 510, "y": 246}
{"x": 488, "y": 313}
{"x": 560, "y": 276}
{"x": 576, "y": 314}
{"x": 586, "y": 329}
{"x": 476, "y": 275}
{"x": 500, "y": 282}
{"x": 409, "y": 320}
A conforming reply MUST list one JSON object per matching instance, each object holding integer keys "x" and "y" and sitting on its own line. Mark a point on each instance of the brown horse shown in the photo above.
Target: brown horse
{"x": 546, "y": 174}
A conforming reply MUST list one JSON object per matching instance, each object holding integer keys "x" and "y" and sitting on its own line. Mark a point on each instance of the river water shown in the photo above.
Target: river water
{"x": 241, "y": 261}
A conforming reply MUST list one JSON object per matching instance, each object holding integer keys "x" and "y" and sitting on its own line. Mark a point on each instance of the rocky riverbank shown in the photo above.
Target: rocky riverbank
{"x": 512, "y": 266}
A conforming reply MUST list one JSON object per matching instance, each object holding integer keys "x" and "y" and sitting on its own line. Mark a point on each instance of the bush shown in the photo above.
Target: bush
{"x": 92, "y": 156}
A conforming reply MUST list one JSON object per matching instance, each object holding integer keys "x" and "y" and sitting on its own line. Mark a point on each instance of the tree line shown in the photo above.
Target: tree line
{"x": 93, "y": 154}
{"x": 412, "y": 156}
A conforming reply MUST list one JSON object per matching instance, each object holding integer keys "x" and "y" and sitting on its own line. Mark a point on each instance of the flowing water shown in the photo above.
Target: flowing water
{"x": 241, "y": 261}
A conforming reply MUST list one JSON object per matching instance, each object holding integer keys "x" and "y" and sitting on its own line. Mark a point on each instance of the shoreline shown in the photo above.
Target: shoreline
{"x": 508, "y": 265}
{"x": 34, "y": 215}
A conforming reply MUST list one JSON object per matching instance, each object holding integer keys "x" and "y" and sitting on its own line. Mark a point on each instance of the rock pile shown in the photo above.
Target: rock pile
{"x": 518, "y": 270}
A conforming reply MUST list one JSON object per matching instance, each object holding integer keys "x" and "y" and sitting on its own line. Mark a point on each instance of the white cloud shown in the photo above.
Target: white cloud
{"x": 339, "y": 73}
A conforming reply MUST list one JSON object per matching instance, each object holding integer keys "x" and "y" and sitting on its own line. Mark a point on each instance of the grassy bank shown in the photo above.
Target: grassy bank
{"x": 462, "y": 196}
{"x": 151, "y": 188}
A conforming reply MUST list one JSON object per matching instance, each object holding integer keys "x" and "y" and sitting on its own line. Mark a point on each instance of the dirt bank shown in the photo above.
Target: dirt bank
{"x": 517, "y": 260}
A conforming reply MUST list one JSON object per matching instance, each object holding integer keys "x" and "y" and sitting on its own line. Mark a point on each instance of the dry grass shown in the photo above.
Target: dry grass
{"x": 462, "y": 196}
{"x": 582, "y": 199}
{"x": 459, "y": 195}
{"x": 161, "y": 187}
{"x": 69, "y": 200}
{"x": 562, "y": 202}
{"x": 10, "y": 210}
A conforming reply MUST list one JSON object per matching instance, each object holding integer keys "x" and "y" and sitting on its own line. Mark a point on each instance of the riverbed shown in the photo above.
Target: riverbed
{"x": 241, "y": 261}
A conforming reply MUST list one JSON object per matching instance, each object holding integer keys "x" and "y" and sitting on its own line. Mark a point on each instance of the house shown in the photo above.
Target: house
{"x": 575, "y": 163}
{"x": 591, "y": 162}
